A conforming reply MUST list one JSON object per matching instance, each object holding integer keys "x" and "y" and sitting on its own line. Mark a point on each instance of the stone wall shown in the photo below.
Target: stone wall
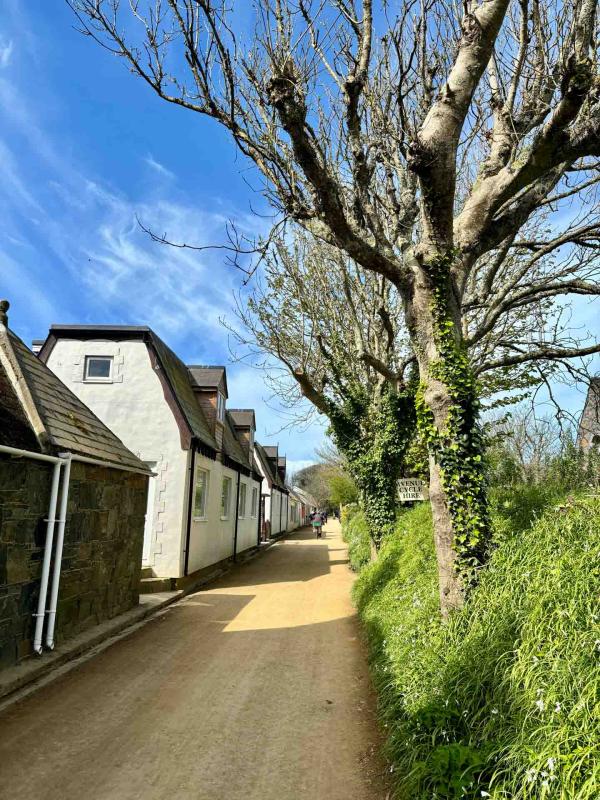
{"x": 101, "y": 557}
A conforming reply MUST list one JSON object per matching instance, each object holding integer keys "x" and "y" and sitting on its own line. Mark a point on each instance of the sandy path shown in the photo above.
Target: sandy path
{"x": 255, "y": 689}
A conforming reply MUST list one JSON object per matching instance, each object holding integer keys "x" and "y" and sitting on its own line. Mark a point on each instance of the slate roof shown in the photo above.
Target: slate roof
{"x": 243, "y": 417}
{"x": 272, "y": 451}
{"x": 272, "y": 475}
{"x": 172, "y": 367}
{"x": 57, "y": 418}
{"x": 178, "y": 377}
{"x": 304, "y": 497}
{"x": 15, "y": 429}
{"x": 208, "y": 377}
{"x": 231, "y": 444}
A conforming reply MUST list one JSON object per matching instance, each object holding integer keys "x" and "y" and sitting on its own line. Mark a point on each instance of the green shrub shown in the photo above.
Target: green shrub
{"x": 356, "y": 535}
{"x": 504, "y": 700}
{"x": 515, "y": 508}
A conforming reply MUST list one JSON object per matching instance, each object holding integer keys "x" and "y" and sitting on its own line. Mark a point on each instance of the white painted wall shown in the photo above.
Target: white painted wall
{"x": 211, "y": 539}
{"x": 134, "y": 407}
{"x": 248, "y": 524}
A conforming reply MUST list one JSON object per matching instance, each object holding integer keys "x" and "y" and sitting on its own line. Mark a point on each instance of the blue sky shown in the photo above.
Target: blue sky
{"x": 84, "y": 147}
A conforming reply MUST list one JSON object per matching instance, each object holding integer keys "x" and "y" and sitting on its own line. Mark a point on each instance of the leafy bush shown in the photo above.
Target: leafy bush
{"x": 356, "y": 535}
{"x": 503, "y": 701}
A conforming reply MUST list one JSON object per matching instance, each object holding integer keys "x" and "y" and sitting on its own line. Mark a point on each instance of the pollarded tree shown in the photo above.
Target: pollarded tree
{"x": 333, "y": 327}
{"x": 418, "y": 142}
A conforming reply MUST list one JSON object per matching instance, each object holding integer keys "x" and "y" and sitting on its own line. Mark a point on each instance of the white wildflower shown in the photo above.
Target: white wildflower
{"x": 540, "y": 704}
{"x": 557, "y": 708}
{"x": 494, "y": 711}
{"x": 485, "y": 794}
{"x": 551, "y": 764}
{"x": 531, "y": 775}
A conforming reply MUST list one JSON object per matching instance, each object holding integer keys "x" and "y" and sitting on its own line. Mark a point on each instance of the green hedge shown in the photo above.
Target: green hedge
{"x": 356, "y": 536}
{"x": 504, "y": 700}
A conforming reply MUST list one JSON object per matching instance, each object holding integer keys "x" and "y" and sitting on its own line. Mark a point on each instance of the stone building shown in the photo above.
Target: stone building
{"x": 588, "y": 435}
{"x": 72, "y": 505}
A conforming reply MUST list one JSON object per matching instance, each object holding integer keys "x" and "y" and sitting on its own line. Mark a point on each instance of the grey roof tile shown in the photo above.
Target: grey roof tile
{"x": 243, "y": 417}
{"x": 208, "y": 377}
{"x": 179, "y": 379}
{"x": 68, "y": 423}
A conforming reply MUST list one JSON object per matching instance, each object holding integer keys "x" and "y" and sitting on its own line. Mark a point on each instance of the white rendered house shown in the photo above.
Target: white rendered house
{"x": 274, "y": 493}
{"x": 204, "y": 501}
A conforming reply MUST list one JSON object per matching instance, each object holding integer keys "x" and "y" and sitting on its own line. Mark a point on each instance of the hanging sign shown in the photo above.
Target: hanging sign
{"x": 410, "y": 489}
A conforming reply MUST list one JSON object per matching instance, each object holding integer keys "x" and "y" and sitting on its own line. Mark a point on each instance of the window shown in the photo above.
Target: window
{"x": 220, "y": 407}
{"x": 242, "y": 503}
{"x": 201, "y": 494}
{"x": 225, "y": 498}
{"x": 254, "y": 506}
{"x": 98, "y": 368}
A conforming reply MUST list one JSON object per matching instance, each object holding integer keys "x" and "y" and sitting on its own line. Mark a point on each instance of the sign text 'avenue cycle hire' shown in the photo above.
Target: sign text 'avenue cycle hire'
{"x": 410, "y": 489}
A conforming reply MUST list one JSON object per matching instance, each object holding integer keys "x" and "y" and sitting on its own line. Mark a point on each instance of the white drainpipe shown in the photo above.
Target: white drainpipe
{"x": 50, "y": 522}
{"x": 60, "y": 538}
{"x": 63, "y": 458}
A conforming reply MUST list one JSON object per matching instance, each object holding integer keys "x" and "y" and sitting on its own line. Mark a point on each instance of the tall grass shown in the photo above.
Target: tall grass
{"x": 504, "y": 700}
{"x": 356, "y": 536}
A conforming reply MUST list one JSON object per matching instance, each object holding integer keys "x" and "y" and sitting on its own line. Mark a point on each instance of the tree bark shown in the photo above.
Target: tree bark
{"x": 447, "y": 418}
{"x": 450, "y": 588}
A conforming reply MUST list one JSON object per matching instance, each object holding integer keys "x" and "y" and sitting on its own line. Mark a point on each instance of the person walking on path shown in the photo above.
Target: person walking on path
{"x": 317, "y": 523}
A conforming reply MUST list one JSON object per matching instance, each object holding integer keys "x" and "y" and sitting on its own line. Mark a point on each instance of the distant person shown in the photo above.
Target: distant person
{"x": 317, "y": 524}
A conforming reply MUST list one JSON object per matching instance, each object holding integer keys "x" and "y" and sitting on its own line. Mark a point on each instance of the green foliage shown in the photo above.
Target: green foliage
{"x": 519, "y": 495}
{"x": 503, "y": 701}
{"x": 342, "y": 489}
{"x": 355, "y": 533}
{"x": 458, "y": 446}
{"x": 374, "y": 434}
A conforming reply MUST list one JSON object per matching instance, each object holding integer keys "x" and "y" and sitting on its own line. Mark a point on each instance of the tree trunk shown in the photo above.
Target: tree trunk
{"x": 447, "y": 418}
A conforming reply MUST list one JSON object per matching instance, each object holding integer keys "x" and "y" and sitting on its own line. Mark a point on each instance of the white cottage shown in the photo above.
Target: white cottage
{"x": 274, "y": 493}
{"x": 203, "y": 503}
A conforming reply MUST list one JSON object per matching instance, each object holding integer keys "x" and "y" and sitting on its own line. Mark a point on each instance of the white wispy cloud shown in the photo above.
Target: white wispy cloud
{"x": 158, "y": 167}
{"x": 84, "y": 258}
{"x": 6, "y": 51}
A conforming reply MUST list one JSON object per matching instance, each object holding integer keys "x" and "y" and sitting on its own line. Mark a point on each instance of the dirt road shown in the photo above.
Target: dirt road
{"x": 254, "y": 689}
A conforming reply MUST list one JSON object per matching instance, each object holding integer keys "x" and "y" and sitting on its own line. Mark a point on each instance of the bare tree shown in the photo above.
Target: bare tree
{"x": 334, "y": 328}
{"x": 421, "y": 144}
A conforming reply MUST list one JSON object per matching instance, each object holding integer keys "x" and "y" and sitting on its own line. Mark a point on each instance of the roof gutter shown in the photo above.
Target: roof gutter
{"x": 108, "y": 464}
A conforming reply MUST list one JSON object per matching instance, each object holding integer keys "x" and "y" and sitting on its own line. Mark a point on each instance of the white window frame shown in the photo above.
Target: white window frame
{"x": 244, "y": 497}
{"x": 221, "y": 407}
{"x": 206, "y": 473}
{"x": 225, "y": 509}
{"x": 93, "y": 379}
{"x": 254, "y": 503}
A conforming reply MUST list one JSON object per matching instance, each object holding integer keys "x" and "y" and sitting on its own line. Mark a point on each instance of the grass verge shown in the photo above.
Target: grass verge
{"x": 504, "y": 700}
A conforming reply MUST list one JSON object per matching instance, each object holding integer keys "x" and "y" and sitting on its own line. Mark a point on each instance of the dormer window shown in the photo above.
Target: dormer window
{"x": 98, "y": 369}
{"x": 220, "y": 407}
